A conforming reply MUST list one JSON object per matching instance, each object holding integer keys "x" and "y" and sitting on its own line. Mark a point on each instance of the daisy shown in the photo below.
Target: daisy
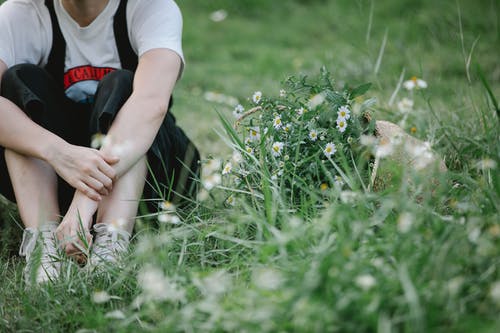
{"x": 167, "y": 206}
{"x": 212, "y": 181}
{"x": 97, "y": 140}
{"x": 277, "y": 148}
{"x": 230, "y": 200}
{"x": 344, "y": 112}
{"x": 257, "y": 97}
{"x": 341, "y": 124}
{"x": 238, "y": 110}
{"x": 316, "y": 100}
{"x": 329, "y": 149}
{"x": 301, "y": 111}
{"x": 219, "y": 15}
{"x": 365, "y": 281}
{"x": 287, "y": 128}
{"x": 166, "y": 217}
{"x": 313, "y": 135}
{"x": 338, "y": 181}
{"x": 249, "y": 150}
{"x": 254, "y": 134}
{"x": 405, "y": 105}
{"x": 227, "y": 168}
{"x": 415, "y": 82}
{"x": 212, "y": 165}
{"x": 277, "y": 122}
{"x": 236, "y": 157}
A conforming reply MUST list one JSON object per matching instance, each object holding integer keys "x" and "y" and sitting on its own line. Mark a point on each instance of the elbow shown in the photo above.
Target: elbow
{"x": 160, "y": 107}
{"x": 155, "y": 106}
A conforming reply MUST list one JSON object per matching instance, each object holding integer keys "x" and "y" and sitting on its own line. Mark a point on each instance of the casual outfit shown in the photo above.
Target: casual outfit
{"x": 73, "y": 81}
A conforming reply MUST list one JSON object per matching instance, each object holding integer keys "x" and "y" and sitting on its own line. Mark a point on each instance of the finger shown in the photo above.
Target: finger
{"x": 103, "y": 179}
{"x": 96, "y": 185}
{"x": 74, "y": 245}
{"x": 89, "y": 192}
{"x": 110, "y": 159}
{"x": 107, "y": 170}
{"x": 59, "y": 234}
{"x": 80, "y": 258}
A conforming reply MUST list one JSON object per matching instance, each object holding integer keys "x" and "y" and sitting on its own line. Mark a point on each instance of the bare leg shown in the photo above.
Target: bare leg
{"x": 35, "y": 187}
{"x": 123, "y": 202}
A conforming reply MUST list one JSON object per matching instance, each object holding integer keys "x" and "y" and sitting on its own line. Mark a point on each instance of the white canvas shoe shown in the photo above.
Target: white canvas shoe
{"x": 109, "y": 246}
{"x": 39, "y": 246}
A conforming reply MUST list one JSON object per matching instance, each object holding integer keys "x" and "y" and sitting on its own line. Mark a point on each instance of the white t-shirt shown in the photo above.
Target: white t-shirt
{"x": 26, "y": 37}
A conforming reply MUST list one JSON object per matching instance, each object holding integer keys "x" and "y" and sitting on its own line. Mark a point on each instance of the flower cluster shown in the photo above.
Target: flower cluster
{"x": 303, "y": 138}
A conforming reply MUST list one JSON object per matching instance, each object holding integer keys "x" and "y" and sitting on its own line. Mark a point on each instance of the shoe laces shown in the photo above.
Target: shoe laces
{"x": 48, "y": 241}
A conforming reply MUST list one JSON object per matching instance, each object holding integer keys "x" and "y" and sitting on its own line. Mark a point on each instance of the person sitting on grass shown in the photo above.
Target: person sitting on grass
{"x": 70, "y": 71}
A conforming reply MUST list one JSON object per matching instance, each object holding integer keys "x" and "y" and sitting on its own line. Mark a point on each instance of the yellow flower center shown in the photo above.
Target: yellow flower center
{"x": 323, "y": 187}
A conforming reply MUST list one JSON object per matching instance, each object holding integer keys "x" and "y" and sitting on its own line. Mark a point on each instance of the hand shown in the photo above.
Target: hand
{"x": 74, "y": 237}
{"x": 73, "y": 232}
{"x": 87, "y": 170}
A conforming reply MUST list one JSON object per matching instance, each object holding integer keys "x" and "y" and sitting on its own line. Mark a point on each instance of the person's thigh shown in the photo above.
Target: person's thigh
{"x": 34, "y": 91}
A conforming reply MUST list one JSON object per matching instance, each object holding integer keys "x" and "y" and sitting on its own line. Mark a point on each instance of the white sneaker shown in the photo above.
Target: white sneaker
{"x": 109, "y": 246}
{"x": 39, "y": 246}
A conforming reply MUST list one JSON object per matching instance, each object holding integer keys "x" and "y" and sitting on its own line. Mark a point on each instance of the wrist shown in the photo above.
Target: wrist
{"x": 83, "y": 208}
{"x": 51, "y": 149}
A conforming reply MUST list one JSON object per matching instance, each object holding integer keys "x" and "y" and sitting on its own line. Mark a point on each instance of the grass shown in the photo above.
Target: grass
{"x": 418, "y": 256}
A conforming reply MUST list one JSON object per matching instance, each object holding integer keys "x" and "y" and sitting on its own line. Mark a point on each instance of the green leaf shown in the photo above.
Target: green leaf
{"x": 360, "y": 90}
{"x": 230, "y": 131}
{"x": 490, "y": 92}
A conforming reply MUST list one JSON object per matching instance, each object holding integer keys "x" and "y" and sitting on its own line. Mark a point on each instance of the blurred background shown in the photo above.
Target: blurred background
{"x": 234, "y": 48}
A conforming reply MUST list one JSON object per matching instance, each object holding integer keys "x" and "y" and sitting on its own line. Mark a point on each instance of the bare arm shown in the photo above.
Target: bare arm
{"x": 134, "y": 128}
{"x": 137, "y": 123}
{"x": 83, "y": 168}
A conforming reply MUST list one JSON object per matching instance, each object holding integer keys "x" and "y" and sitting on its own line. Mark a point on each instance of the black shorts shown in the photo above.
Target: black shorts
{"x": 173, "y": 160}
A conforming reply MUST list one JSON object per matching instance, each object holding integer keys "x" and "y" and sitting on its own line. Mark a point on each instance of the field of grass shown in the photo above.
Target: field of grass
{"x": 420, "y": 255}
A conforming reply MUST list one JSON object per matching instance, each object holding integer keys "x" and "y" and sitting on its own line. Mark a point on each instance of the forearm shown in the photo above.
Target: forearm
{"x": 82, "y": 209}
{"x": 134, "y": 130}
{"x": 20, "y": 134}
{"x": 137, "y": 123}
{"x": 83, "y": 168}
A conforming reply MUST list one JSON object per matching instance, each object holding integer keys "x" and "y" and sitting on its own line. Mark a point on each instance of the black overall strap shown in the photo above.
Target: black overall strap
{"x": 57, "y": 56}
{"x": 56, "y": 61}
{"x": 128, "y": 57}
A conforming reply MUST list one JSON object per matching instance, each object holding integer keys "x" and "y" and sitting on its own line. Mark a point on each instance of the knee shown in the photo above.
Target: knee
{"x": 28, "y": 86}
{"x": 118, "y": 78}
{"x": 112, "y": 92}
{"x": 21, "y": 74}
